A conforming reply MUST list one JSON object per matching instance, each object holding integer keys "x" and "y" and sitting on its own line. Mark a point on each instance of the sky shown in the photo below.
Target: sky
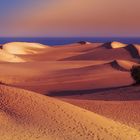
{"x": 69, "y": 18}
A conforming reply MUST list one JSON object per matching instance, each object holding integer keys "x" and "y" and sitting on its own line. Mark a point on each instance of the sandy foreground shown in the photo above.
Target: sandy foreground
{"x": 70, "y": 92}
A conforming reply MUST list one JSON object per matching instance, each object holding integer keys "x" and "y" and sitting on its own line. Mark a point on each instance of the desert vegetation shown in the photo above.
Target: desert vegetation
{"x": 135, "y": 73}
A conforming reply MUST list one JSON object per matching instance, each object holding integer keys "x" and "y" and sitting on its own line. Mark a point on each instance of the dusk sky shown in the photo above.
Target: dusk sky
{"x": 70, "y": 18}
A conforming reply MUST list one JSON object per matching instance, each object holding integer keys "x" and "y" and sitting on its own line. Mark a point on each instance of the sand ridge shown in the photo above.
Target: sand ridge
{"x": 23, "y": 47}
{"x": 116, "y": 45}
{"x": 8, "y": 57}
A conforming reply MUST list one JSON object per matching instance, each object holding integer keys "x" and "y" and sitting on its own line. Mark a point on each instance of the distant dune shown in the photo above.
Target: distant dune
{"x": 107, "y": 52}
{"x": 94, "y": 77}
{"x": 116, "y": 45}
{"x": 7, "y": 57}
{"x": 60, "y": 52}
{"x": 23, "y": 48}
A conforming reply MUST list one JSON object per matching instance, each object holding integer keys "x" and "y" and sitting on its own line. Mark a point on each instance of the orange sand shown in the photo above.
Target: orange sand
{"x": 94, "y": 77}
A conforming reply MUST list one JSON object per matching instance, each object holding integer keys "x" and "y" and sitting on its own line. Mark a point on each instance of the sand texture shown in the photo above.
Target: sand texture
{"x": 79, "y": 91}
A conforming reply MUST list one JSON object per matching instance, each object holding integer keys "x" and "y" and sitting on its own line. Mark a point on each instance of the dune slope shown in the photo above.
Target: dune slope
{"x": 120, "y": 104}
{"x": 105, "y": 52}
{"x": 60, "y": 52}
{"x": 27, "y": 115}
{"x": 7, "y": 57}
{"x": 23, "y": 48}
{"x": 44, "y": 76}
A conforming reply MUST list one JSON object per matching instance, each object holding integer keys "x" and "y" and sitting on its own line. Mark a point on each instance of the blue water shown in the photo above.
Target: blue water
{"x": 62, "y": 41}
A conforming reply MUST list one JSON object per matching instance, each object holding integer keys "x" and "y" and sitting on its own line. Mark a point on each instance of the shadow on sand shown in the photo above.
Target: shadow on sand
{"x": 125, "y": 93}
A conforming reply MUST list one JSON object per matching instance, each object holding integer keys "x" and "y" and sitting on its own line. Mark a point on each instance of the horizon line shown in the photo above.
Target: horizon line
{"x": 66, "y": 37}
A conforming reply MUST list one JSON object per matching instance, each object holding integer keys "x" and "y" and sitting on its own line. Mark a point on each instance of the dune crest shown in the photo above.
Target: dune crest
{"x": 23, "y": 114}
{"x": 123, "y": 65}
{"x": 7, "y": 57}
{"x": 23, "y": 48}
{"x": 138, "y": 48}
{"x": 116, "y": 45}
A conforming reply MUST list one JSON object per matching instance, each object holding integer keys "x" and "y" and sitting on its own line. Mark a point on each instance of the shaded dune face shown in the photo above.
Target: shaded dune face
{"x": 37, "y": 117}
{"x": 92, "y": 84}
{"x": 125, "y": 93}
{"x": 106, "y": 53}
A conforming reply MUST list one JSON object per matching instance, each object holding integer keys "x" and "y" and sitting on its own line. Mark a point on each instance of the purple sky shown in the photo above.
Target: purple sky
{"x": 69, "y": 18}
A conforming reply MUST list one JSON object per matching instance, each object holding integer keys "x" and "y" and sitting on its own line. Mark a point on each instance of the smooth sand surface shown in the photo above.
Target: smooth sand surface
{"x": 94, "y": 77}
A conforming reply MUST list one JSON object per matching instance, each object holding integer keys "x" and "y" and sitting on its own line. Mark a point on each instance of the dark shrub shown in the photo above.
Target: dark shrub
{"x": 82, "y": 42}
{"x": 135, "y": 73}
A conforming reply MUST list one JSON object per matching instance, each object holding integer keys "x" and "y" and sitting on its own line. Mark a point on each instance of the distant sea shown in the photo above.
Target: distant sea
{"x": 62, "y": 41}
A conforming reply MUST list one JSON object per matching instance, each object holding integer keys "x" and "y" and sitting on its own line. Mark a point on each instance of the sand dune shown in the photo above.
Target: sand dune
{"x": 60, "y": 52}
{"x": 94, "y": 77}
{"x": 35, "y": 51}
{"x": 126, "y": 112}
{"x": 23, "y": 48}
{"x": 126, "y": 65}
{"x": 104, "y": 53}
{"x": 79, "y": 45}
{"x": 7, "y": 57}
{"x": 116, "y": 45}
{"x": 120, "y": 104}
{"x": 64, "y": 75}
{"x": 71, "y": 52}
{"x": 137, "y": 48}
{"x": 27, "y": 115}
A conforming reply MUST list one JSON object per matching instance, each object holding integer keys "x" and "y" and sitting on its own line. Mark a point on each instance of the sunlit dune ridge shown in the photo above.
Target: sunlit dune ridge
{"x": 23, "y": 48}
{"x": 117, "y": 45}
{"x": 126, "y": 65}
{"x": 27, "y": 115}
{"x": 8, "y": 57}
